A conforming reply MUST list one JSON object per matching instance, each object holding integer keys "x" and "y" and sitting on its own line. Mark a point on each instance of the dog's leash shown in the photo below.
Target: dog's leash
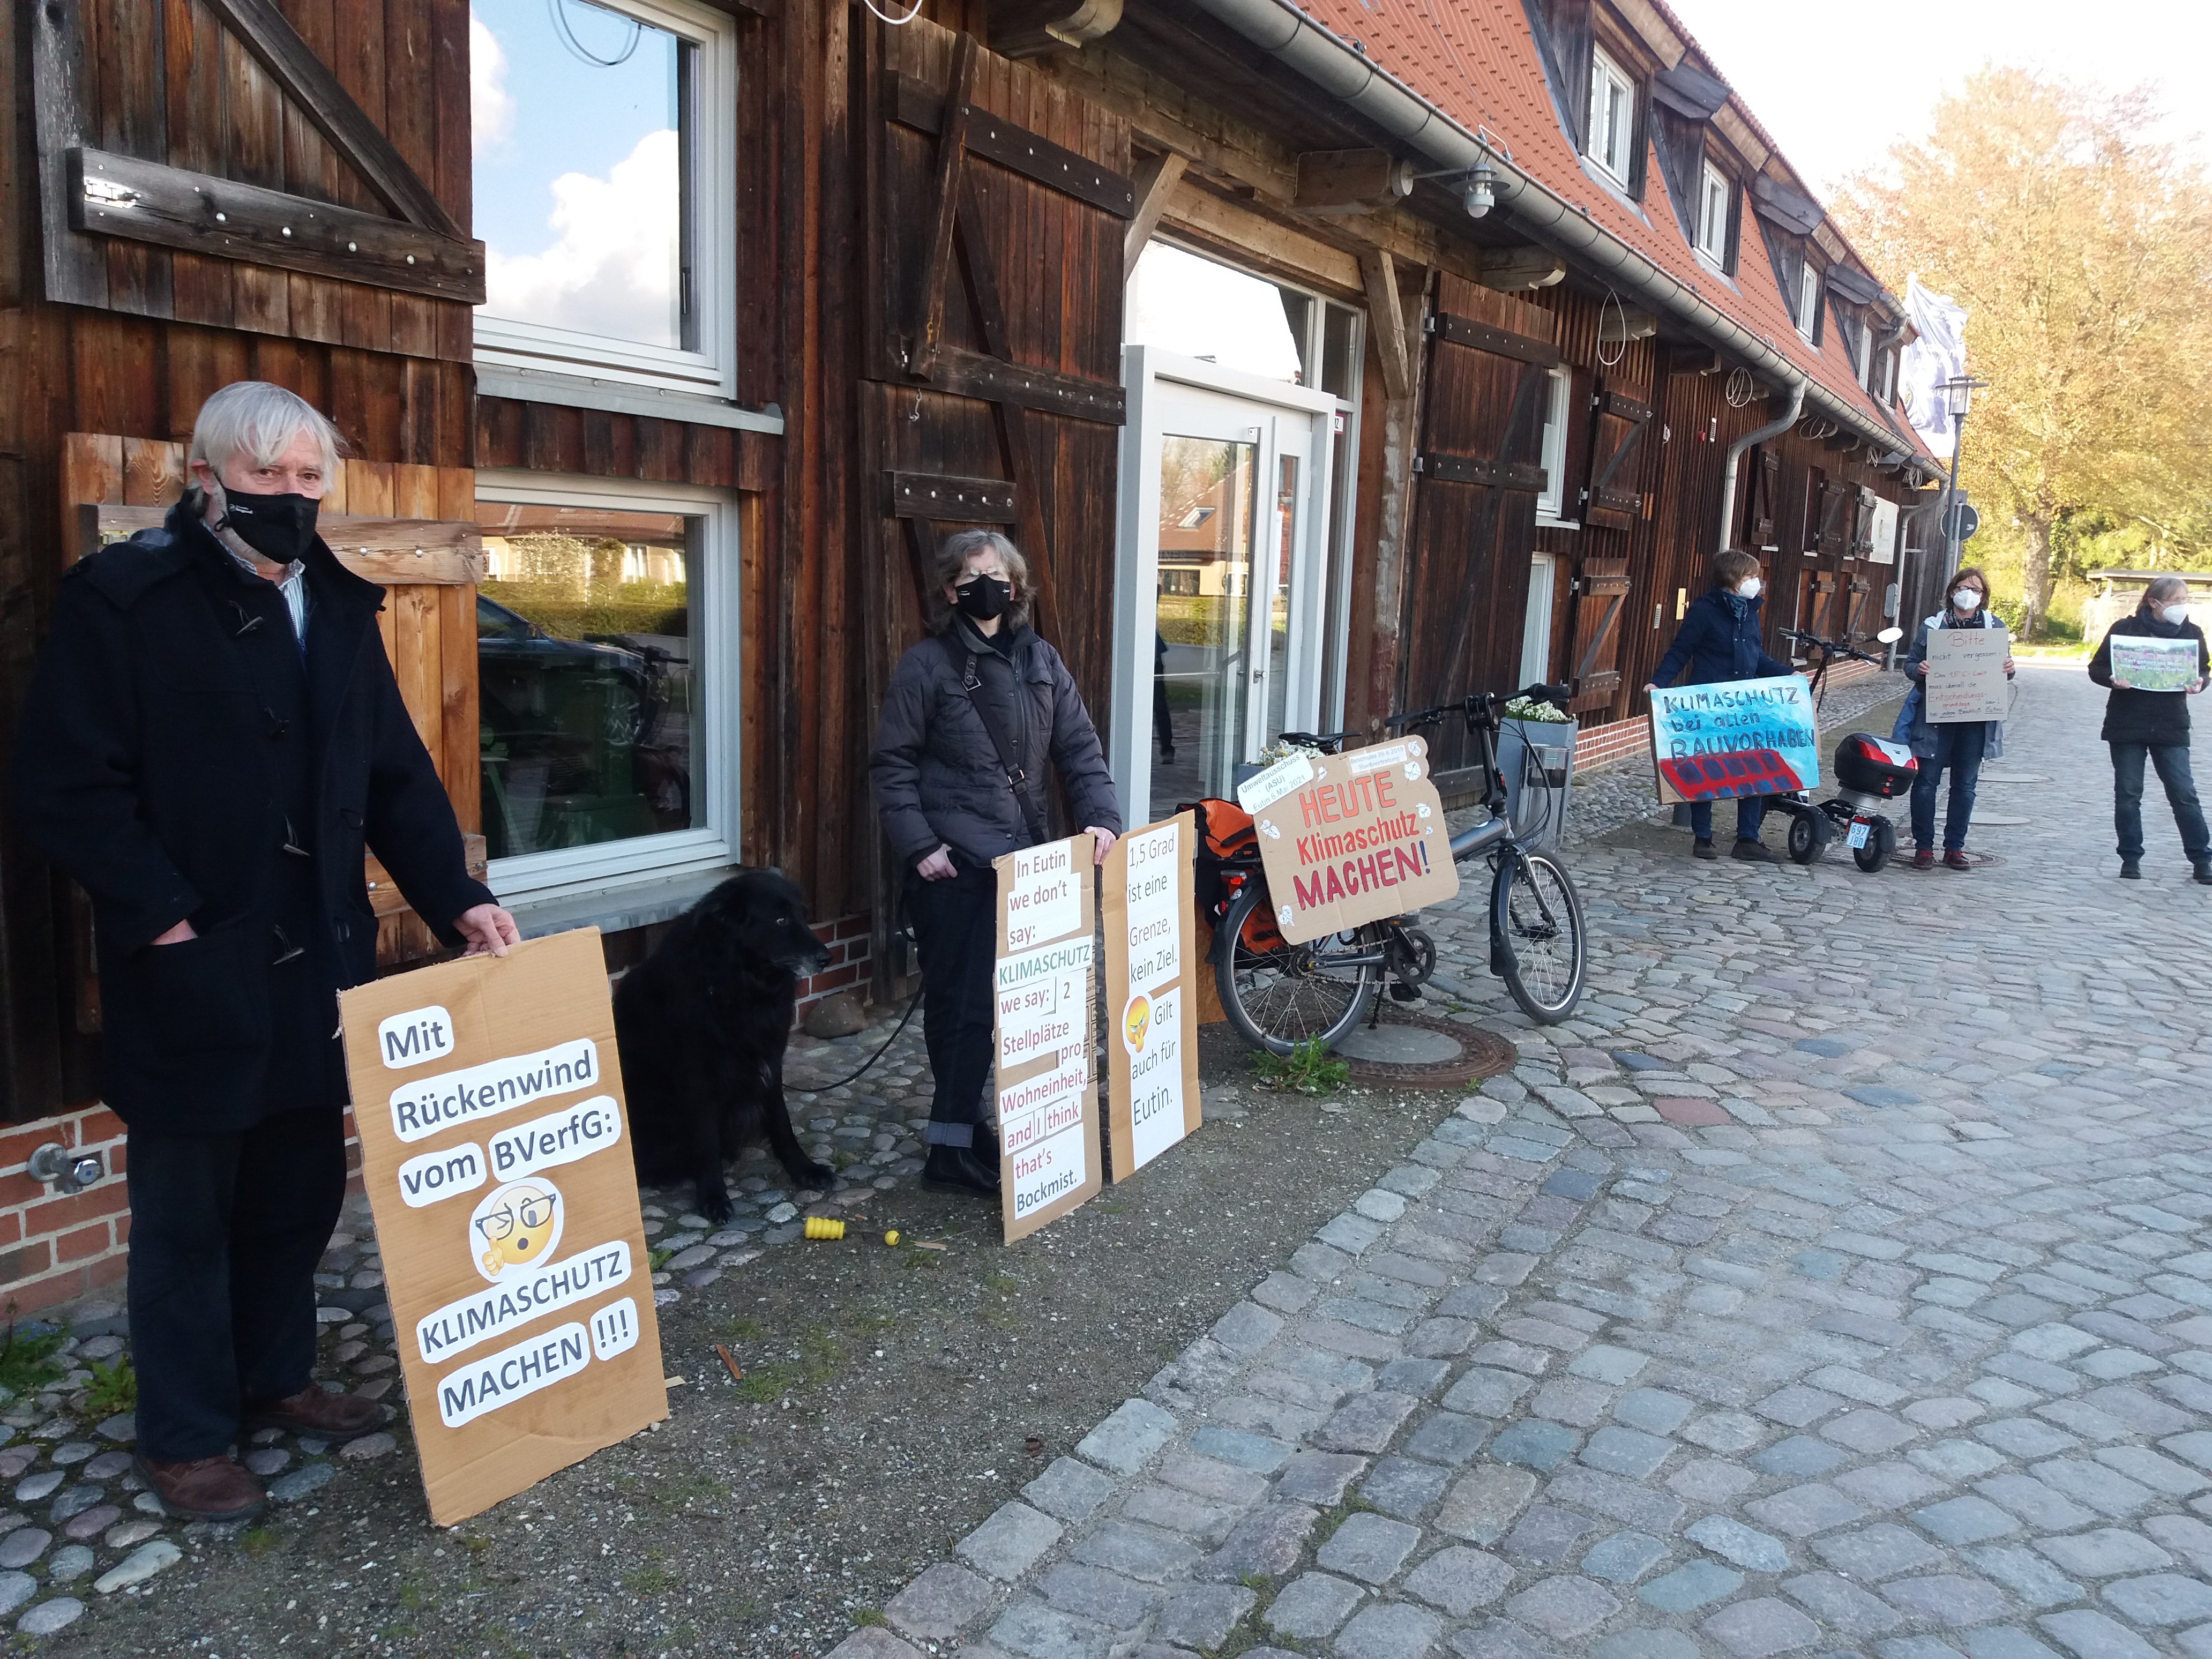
{"x": 820, "y": 1088}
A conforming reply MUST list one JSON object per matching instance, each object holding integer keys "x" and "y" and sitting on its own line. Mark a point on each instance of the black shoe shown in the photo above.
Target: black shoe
{"x": 2204, "y": 874}
{"x": 958, "y": 1169}
{"x": 1703, "y": 849}
{"x": 1752, "y": 852}
{"x": 2131, "y": 869}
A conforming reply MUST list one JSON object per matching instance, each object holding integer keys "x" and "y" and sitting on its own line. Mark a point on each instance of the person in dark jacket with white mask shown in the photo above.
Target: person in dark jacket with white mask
{"x": 212, "y": 737}
{"x": 970, "y": 718}
{"x": 1958, "y": 747}
{"x": 2142, "y": 725}
{"x": 1718, "y": 639}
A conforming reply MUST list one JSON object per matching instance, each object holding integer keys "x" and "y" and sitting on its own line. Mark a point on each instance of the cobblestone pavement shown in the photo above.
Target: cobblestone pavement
{"x": 1839, "y": 1282}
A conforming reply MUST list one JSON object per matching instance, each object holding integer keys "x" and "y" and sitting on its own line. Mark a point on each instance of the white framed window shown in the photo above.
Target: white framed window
{"x": 607, "y": 632}
{"x": 1888, "y": 394}
{"x": 1550, "y": 504}
{"x": 1716, "y": 193}
{"x": 605, "y": 144}
{"x": 1809, "y": 300}
{"x": 1863, "y": 356}
{"x": 1612, "y": 117}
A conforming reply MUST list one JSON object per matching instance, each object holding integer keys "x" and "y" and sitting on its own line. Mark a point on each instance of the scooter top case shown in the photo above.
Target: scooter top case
{"x": 1868, "y": 765}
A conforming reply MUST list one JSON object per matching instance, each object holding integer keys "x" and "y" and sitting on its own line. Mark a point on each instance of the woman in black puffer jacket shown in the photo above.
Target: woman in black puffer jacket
{"x": 2143, "y": 725}
{"x": 950, "y": 808}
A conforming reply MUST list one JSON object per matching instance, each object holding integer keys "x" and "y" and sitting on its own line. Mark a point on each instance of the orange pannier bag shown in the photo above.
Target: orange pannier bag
{"x": 1228, "y": 859}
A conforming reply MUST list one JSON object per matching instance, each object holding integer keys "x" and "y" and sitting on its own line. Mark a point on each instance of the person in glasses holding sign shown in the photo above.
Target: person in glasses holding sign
{"x": 2154, "y": 661}
{"x": 970, "y": 718}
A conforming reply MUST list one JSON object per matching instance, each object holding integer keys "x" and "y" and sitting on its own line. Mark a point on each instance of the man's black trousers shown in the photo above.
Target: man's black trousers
{"x": 225, "y": 1233}
{"x": 956, "y": 934}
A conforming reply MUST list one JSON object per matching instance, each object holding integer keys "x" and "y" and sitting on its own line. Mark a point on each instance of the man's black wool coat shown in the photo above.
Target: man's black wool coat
{"x": 175, "y": 741}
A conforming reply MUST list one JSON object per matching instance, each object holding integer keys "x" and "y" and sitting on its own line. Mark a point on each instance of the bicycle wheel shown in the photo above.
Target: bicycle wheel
{"x": 1533, "y": 904}
{"x": 1276, "y": 995}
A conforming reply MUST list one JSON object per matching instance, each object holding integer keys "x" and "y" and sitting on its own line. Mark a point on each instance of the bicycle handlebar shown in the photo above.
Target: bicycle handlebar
{"x": 1831, "y": 647}
{"x": 1479, "y": 704}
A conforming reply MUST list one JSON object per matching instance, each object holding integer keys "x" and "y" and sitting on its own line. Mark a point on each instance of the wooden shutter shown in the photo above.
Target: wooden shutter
{"x": 1617, "y": 420}
{"x": 1831, "y": 543}
{"x": 1485, "y": 394}
{"x": 994, "y": 204}
{"x": 1600, "y": 591}
{"x": 202, "y": 161}
{"x": 1763, "y": 486}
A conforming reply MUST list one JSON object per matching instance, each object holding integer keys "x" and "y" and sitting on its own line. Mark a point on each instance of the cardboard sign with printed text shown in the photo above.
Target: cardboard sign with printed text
{"x": 1152, "y": 969}
{"x": 494, "y": 1149}
{"x": 2149, "y": 662}
{"x": 1729, "y": 738}
{"x": 1350, "y": 838}
{"x": 1044, "y": 1032}
{"x": 1966, "y": 676}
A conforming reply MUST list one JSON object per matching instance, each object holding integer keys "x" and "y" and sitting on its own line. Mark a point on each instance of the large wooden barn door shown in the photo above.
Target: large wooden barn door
{"x": 990, "y": 388}
{"x": 1474, "y": 515}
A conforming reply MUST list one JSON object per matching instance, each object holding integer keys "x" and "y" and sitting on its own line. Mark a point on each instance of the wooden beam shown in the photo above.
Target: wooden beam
{"x": 929, "y": 326}
{"x": 75, "y": 270}
{"x": 391, "y": 552}
{"x": 914, "y": 104}
{"x": 1337, "y": 180}
{"x": 1156, "y": 179}
{"x": 1386, "y": 322}
{"x": 972, "y": 374}
{"x": 955, "y": 500}
{"x": 149, "y": 202}
{"x": 1508, "y": 269}
{"x": 310, "y": 86}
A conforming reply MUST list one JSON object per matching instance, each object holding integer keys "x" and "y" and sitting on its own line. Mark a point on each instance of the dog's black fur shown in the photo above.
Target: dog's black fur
{"x": 702, "y": 1023}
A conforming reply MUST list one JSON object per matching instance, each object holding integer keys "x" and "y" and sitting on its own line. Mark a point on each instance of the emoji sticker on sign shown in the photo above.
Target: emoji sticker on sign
{"x": 1136, "y": 1020}
{"x": 515, "y": 1227}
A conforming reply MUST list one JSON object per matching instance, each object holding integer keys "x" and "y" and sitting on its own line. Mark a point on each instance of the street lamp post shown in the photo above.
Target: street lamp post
{"x": 1957, "y": 398}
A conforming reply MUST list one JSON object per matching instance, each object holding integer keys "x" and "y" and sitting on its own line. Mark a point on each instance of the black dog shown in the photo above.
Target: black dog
{"x": 702, "y": 1024}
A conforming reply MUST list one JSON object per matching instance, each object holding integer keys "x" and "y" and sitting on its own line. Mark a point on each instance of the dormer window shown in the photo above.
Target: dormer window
{"x": 1716, "y": 193}
{"x": 1809, "y": 302}
{"x": 1887, "y": 395}
{"x": 1862, "y": 356}
{"x": 1612, "y": 117}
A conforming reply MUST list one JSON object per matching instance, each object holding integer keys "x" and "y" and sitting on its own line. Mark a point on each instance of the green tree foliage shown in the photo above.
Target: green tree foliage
{"x": 2082, "y": 251}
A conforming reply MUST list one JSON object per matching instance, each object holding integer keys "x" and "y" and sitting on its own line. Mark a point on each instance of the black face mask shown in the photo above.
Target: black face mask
{"x": 984, "y": 597}
{"x": 277, "y": 528}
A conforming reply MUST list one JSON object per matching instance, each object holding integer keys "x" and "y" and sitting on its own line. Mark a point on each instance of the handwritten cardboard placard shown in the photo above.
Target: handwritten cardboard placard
{"x": 1966, "y": 674}
{"x": 1043, "y": 984}
{"x": 1734, "y": 738}
{"x": 1351, "y": 838}
{"x": 2150, "y": 663}
{"x": 1152, "y": 967}
{"x": 494, "y": 1150}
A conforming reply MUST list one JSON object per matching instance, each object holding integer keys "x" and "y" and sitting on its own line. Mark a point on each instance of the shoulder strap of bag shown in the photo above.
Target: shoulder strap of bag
{"x": 1018, "y": 783}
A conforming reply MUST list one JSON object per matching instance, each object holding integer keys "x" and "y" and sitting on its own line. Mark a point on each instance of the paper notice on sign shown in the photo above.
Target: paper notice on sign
{"x": 2150, "y": 663}
{"x": 1966, "y": 675}
{"x": 1044, "y": 991}
{"x": 509, "y": 1236}
{"x": 1364, "y": 839}
{"x": 1265, "y": 788}
{"x": 1153, "y": 963}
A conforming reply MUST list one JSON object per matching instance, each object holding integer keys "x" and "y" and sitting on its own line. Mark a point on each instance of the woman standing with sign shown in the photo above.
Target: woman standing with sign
{"x": 1958, "y": 746}
{"x": 2141, "y": 723}
{"x": 1718, "y": 641}
{"x": 969, "y": 720}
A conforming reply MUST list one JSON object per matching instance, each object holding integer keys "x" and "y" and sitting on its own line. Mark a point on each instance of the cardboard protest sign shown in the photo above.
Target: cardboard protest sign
{"x": 1966, "y": 674}
{"x": 1045, "y": 1026}
{"x": 2149, "y": 663}
{"x": 1735, "y": 738}
{"x": 1152, "y": 969}
{"x": 494, "y": 1150}
{"x": 1351, "y": 838}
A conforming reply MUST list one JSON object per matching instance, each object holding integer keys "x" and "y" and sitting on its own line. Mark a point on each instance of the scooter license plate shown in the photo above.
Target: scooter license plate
{"x": 1859, "y": 834}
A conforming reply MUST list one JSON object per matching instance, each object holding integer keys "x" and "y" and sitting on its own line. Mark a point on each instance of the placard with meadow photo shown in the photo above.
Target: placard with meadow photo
{"x": 2147, "y": 663}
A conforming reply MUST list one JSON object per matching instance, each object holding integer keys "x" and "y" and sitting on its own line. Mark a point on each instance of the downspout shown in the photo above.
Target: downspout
{"x": 1759, "y": 434}
{"x": 1327, "y": 61}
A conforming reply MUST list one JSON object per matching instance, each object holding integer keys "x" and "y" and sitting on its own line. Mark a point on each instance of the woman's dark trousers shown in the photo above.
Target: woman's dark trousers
{"x": 2171, "y": 760}
{"x": 225, "y": 1233}
{"x": 1958, "y": 748}
{"x": 956, "y": 933}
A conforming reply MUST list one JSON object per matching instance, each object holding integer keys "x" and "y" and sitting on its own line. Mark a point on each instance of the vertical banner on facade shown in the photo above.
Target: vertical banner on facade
{"x": 1153, "y": 968}
{"x": 1045, "y": 1032}
{"x": 494, "y": 1148}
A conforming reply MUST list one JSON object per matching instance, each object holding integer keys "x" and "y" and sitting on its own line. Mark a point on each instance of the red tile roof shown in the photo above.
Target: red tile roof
{"x": 1476, "y": 61}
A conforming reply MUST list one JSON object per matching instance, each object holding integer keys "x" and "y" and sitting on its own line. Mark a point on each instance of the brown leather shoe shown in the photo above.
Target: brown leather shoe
{"x": 336, "y": 1416}
{"x": 206, "y": 1488}
{"x": 1924, "y": 859}
{"x": 1956, "y": 860}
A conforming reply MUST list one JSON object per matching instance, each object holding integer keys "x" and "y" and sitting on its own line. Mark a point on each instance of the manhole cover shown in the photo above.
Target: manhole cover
{"x": 1902, "y": 860}
{"x": 1411, "y": 1051}
{"x": 2012, "y": 777}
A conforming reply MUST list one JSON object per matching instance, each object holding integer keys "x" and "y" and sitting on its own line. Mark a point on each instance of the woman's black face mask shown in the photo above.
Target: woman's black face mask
{"x": 983, "y": 598}
{"x": 278, "y": 528}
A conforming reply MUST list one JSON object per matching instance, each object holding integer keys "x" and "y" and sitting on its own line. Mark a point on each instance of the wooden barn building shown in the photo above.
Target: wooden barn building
{"x": 1324, "y": 359}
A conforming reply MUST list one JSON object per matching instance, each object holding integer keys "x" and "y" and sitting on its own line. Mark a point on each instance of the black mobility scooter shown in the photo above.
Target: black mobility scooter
{"x": 1870, "y": 772}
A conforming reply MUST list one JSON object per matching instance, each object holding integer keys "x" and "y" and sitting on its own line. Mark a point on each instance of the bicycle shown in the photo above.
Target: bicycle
{"x": 1277, "y": 994}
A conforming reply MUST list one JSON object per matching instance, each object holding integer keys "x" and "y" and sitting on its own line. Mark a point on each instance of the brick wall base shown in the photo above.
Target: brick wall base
{"x": 846, "y": 938}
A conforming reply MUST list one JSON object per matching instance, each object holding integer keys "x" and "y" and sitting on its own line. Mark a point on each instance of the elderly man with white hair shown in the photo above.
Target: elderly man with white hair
{"x": 212, "y": 737}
